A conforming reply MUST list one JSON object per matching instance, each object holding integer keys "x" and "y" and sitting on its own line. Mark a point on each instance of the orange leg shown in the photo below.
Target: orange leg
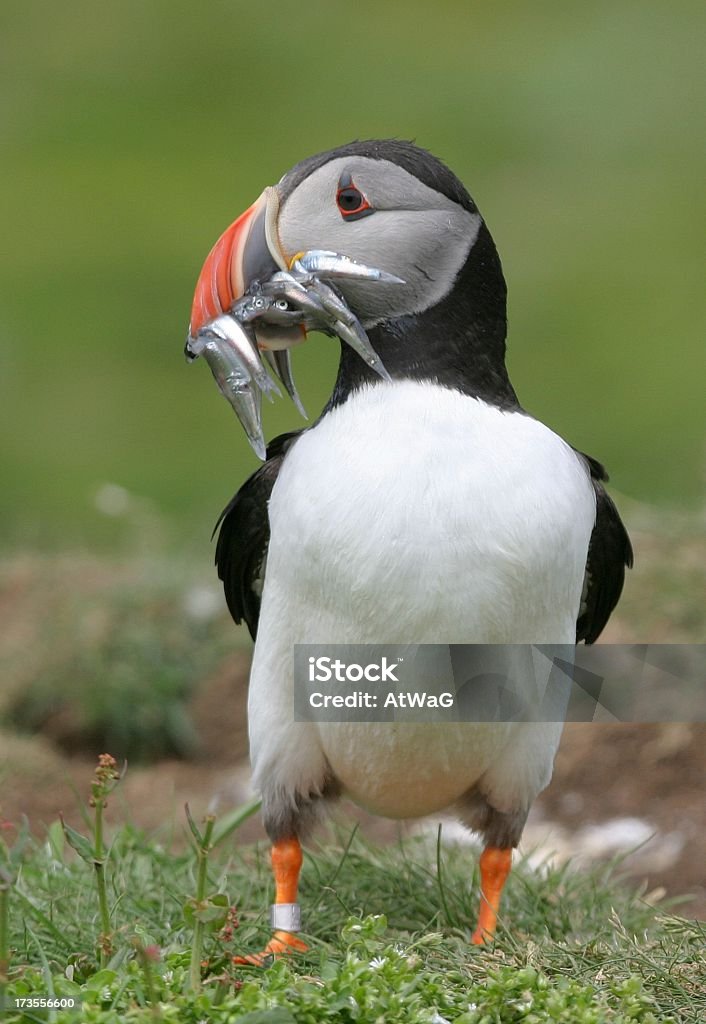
{"x": 286, "y": 865}
{"x": 495, "y": 864}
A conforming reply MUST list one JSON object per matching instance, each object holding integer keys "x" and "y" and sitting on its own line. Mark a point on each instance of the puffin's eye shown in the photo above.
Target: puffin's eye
{"x": 352, "y": 204}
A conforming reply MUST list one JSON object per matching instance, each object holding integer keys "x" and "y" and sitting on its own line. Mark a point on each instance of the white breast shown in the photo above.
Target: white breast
{"x": 414, "y": 514}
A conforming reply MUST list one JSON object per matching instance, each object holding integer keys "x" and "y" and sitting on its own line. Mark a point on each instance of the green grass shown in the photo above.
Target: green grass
{"x": 388, "y": 934}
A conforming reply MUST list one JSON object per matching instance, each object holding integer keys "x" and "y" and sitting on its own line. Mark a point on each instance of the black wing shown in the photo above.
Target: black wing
{"x": 241, "y": 550}
{"x": 609, "y": 552}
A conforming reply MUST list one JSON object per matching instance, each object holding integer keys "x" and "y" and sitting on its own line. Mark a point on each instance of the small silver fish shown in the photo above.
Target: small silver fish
{"x": 327, "y": 264}
{"x": 270, "y": 313}
{"x": 332, "y": 302}
{"x": 281, "y": 362}
{"x": 274, "y": 309}
{"x": 354, "y": 335}
{"x": 286, "y": 285}
{"x": 242, "y": 341}
{"x": 234, "y": 383}
{"x": 346, "y": 325}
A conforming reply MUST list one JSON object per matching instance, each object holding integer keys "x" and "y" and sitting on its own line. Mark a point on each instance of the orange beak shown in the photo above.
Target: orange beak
{"x": 246, "y": 251}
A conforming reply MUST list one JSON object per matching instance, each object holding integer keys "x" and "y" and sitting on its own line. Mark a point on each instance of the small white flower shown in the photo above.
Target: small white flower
{"x": 438, "y": 1019}
{"x": 378, "y": 961}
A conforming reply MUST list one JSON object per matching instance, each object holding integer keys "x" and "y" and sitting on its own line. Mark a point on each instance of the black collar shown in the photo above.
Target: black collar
{"x": 459, "y": 343}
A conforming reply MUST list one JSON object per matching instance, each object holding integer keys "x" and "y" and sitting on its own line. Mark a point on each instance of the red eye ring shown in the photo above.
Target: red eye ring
{"x": 351, "y": 202}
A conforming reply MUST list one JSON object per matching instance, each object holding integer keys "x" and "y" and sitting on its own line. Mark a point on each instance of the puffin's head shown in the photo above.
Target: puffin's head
{"x": 387, "y": 204}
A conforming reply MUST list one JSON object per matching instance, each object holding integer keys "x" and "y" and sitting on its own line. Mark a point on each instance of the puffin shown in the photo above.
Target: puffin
{"x": 423, "y": 506}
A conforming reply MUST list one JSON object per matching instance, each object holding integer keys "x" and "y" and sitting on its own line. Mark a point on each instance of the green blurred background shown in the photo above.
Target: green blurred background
{"x": 134, "y": 132}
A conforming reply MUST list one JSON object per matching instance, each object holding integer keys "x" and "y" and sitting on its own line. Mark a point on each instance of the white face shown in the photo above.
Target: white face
{"x": 413, "y": 231}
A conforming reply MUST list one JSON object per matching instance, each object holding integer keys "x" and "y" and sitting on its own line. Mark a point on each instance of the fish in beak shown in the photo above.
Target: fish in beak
{"x": 246, "y": 252}
{"x": 251, "y": 299}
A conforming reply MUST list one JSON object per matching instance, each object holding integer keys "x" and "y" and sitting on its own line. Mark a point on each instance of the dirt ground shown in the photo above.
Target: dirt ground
{"x": 615, "y": 788}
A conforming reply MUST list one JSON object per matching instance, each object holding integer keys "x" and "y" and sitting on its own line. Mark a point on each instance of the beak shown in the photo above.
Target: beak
{"x": 231, "y": 340}
{"x": 247, "y": 251}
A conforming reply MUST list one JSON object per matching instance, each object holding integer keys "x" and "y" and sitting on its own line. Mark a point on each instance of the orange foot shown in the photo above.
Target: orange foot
{"x": 281, "y": 944}
{"x": 495, "y": 863}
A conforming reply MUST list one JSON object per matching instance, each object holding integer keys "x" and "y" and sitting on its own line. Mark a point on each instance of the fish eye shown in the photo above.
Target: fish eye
{"x": 351, "y": 202}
